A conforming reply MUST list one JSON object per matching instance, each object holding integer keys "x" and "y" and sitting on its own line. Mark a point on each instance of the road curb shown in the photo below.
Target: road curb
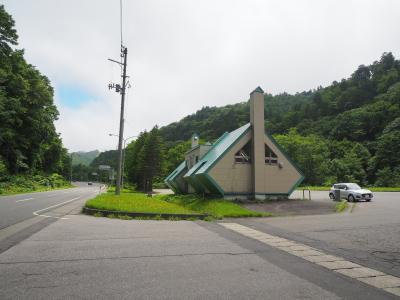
{"x": 92, "y": 211}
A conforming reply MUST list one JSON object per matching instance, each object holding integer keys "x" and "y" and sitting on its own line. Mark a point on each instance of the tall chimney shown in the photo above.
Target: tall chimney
{"x": 258, "y": 148}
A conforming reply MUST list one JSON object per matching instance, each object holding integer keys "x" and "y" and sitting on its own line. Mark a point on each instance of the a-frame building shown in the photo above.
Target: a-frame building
{"x": 246, "y": 163}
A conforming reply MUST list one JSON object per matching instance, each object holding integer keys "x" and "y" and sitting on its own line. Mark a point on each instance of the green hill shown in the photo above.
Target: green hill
{"x": 84, "y": 158}
{"x": 347, "y": 131}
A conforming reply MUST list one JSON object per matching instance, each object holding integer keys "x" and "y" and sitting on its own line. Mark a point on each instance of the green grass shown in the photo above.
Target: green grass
{"x": 217, "y": 208}
{"x": 135, "y": 202}
{"x": 314, "y": 188}
{"x": 384, "y": 189}
{"x": 111, "y": 189}
{"x": 341, "y": 206}
{"x": 372, "y": 189}
{"x": 171, "y": 204}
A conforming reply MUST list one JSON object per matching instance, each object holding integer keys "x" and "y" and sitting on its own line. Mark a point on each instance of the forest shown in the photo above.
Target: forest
{"x": 348, "y": 131}
{"x": 31, "y": 151}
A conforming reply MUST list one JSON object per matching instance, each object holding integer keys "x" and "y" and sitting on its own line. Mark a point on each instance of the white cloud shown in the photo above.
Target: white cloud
{"x": 185, "y": 54}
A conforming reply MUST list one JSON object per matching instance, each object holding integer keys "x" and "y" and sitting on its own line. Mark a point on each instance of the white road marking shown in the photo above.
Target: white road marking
{"x": 48, "y": 196}
{"x": 37, "y": 213}
{"x": 347, "y": 268}
{"x": 23, "y": 200}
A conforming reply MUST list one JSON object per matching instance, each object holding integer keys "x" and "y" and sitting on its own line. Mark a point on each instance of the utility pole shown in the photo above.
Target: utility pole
{"x": 120, "y": 89}
{"x": 124, "y": 54}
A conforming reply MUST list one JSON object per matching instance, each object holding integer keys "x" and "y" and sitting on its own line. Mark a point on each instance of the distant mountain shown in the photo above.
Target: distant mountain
{"x": 84, "y": 158}
{"x": 109, "y": 158}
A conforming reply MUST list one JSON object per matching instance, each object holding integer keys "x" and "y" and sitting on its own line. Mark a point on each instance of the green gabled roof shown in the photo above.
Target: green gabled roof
{"x": 170, "y": 180}
{"x": 218, "y": 150}
{"x": 257, "y": 90}
{"x": 177, "y": 171}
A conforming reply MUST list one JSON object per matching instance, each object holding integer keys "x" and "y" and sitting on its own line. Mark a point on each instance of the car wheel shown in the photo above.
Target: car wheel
{"x": 368, "y": 200}
{"x": 331, "y": 196}
{"x": 351, "y": 198}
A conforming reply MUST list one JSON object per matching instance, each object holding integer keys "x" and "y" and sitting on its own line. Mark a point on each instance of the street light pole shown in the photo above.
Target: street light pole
{"x": 70, "y": 169}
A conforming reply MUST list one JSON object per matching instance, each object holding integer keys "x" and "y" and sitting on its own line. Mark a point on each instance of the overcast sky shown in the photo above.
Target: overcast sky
{"x": 186, "y": 54}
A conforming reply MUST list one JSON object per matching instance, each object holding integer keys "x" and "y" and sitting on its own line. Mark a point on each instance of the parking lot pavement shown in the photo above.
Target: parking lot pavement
{"x": 369, "y": 235}
{"x": 87, "y": 257}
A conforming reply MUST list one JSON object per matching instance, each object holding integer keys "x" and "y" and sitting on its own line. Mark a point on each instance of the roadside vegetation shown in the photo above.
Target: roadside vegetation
{"x": 341, "y": 206}
{"x": 31, "y": 151}
{"x": 135, "y": 202}
{"x": 35, "y": 183}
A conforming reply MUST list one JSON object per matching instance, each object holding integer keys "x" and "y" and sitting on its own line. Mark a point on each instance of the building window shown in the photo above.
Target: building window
{"x": 243, "y": 156}
{"x": 270, "y": 156}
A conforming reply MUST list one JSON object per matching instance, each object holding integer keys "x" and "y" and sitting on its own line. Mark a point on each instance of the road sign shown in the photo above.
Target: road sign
{"x": 104, "y": 167}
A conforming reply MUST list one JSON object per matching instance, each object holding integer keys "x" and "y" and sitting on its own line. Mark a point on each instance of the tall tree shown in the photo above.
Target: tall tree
{"x": 151, "y": 158}
{"x": 28, "y": 138}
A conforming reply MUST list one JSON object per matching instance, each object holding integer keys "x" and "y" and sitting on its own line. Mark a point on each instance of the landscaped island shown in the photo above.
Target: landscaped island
{"x": 136, "y": 202}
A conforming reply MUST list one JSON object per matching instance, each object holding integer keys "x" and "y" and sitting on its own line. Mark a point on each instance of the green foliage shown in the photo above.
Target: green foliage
{"x": 341, "y": 206}
{"x": 310, "y": 152}
{"x": 175, "y": 155}
{"x": 29, "y": 142}
{"x": 8, "y": 34}
{"x": 80, "y": 172}
{"x": 3, "y": 170}
{"x": 388, "y": 177}
{"x": 188, "y": 204}
{"x": 135, "y": 202}
{"x": 348, "y": 131}
{"x": 16, "y": 184}
{"x": 144, "y": 159}
{"x": 84, "y": 158}
{"x": 108, "y": 158}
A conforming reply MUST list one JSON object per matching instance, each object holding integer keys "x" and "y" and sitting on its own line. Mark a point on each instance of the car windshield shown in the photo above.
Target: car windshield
{"x": 353, "y": 186}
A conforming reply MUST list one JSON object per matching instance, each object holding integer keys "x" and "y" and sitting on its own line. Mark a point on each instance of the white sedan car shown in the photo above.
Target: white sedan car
{"x": 351, "y": 191}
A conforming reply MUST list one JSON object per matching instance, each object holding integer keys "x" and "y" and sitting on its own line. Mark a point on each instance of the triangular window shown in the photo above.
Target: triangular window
{"x": 270, "y": 157}
{"x": 244, "y": 155}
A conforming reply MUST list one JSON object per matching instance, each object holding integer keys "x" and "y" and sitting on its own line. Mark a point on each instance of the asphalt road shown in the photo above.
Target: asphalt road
{"x": 369, "y": 235}
{"x": 86, "y": 257}
{"x": 17, "y": 208}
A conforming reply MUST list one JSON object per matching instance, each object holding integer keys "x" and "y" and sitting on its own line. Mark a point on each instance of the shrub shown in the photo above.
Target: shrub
{"x": 388, "y": 177}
